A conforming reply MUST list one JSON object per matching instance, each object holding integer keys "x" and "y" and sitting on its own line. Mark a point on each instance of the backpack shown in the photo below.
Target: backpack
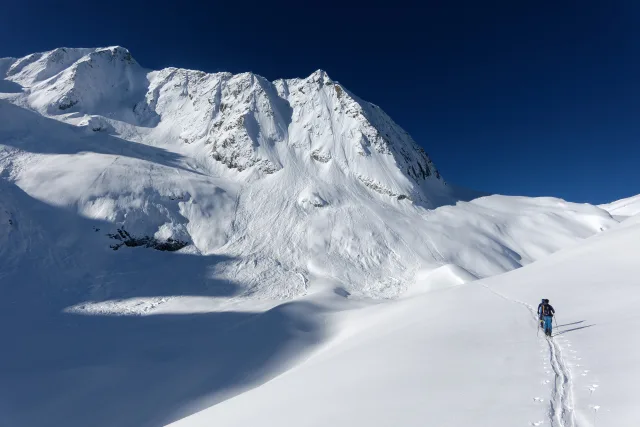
{"x": 547, "y": 310}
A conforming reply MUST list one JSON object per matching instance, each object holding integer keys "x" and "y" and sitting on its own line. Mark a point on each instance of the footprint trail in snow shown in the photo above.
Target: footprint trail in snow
{"x": 561, "y": 407}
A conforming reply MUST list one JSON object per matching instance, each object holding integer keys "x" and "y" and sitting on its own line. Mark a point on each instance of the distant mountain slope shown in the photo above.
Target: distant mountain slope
{"x": 623, "y": 207}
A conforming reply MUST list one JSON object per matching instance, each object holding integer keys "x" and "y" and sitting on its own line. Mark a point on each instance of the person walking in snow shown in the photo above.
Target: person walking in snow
{"x": 546, "y": 311}
{"x": 540, "y": 319}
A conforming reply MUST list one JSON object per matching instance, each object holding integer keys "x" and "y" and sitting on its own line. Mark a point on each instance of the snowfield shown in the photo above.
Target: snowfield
{"x": 192, "y": 248}
{"x": 624, "y": 207}
{"x": 469, "y": 355}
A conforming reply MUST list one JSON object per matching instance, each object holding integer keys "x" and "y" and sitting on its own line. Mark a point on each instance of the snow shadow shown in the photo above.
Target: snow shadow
{"x": 28, "y": 131}
{"x": 101, "y": 371}
{"x": 572, "y": 329}
{"x": 64, "y": 259}
{"x": 74, "y": 370}
{"x": 570, "y": 324}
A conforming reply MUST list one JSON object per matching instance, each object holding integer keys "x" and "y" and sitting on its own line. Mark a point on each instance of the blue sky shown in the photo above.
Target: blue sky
{"x": 538, "y": 99}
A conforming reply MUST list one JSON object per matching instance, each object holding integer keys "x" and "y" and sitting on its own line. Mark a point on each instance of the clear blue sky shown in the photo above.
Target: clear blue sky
{"x": 532, "y": 98}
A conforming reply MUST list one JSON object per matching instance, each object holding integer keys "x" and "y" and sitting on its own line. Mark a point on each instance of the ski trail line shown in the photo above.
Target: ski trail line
{"x": 561, "y": 406}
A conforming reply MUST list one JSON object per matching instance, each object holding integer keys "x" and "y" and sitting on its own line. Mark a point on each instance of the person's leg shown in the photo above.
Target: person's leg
{"x": 547, "y": 324}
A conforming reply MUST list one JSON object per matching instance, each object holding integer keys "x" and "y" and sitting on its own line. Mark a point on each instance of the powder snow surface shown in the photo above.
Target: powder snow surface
{"x": 471, "y": 355}
{"x": 325, "y": 271}
{"x": 624, "y": 207}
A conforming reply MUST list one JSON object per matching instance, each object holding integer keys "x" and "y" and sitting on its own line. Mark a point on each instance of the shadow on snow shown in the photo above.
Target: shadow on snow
{"x": 142, "y": 371}
{"x": 570, "y": 324}
{"x": 75, "y": 370}
{"x": 572, "y": 329}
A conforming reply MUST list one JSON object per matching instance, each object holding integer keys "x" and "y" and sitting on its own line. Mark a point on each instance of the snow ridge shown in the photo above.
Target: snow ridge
{"x": 246, "y": 121}
{"x": 624, "y": 207}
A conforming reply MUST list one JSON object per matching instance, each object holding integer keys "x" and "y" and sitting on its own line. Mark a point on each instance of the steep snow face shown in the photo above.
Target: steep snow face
{"x": 335, "y": 126}
{"x": 249, "y": 122}
{"x": 37, "y": 67}
{"x": 80, "y": 80}
{"x": 239, "y": 119}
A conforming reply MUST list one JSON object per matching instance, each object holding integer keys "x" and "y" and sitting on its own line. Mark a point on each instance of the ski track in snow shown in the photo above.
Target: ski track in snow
{"x": 561, "y": 405}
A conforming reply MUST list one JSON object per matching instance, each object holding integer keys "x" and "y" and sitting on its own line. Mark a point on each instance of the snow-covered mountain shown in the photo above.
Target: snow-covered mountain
{"x": 292, "y": 179}
{"x": 234, "y": 214}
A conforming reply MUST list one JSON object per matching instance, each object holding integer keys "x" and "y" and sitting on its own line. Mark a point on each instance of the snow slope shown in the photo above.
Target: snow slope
{"x": 470, "y": 355}
{"x": 623, "y": 207}
{"x": 170, "y": 239}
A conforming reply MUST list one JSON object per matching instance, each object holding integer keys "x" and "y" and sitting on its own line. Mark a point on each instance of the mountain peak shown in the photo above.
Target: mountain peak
{"x": 117, "y": 52}
{"x": 320, "y": 75}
